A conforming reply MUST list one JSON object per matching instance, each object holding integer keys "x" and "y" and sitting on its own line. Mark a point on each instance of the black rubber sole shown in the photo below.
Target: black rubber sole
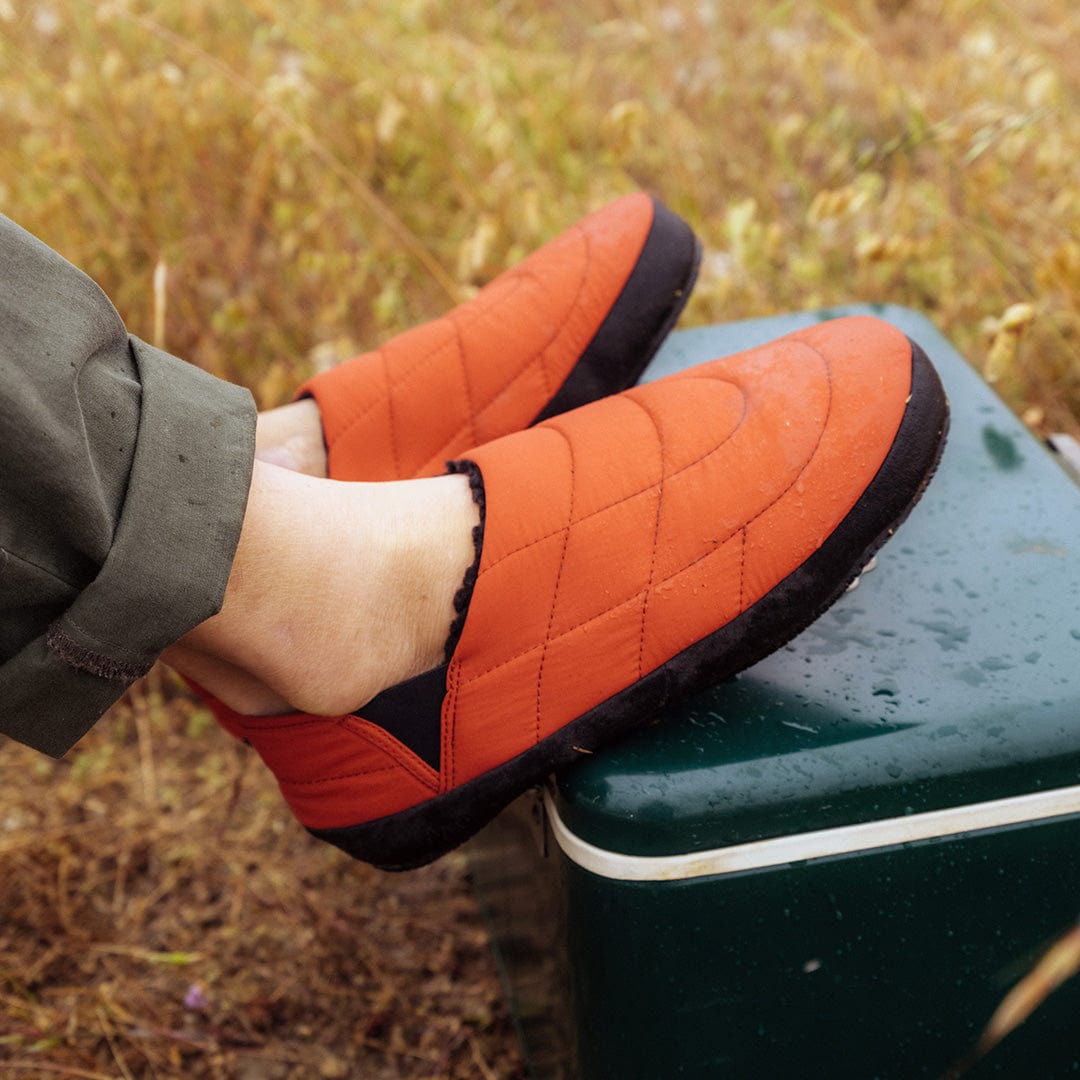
{"x": 422, "y": 833}
{"x": 640, "y": 319}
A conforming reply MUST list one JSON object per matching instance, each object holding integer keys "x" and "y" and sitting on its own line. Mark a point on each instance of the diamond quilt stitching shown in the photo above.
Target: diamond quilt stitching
{"x": 539, "y": 359}
{"x": 630, "y": 600}
{"x": 382, "y": 741}
{"x": 720, "y": 547}
{"x": 742, "y": 571}
{"x": 552, "y": 424}
{"x": 447, "y": 759}
{"x": 817, "y": 444}
{"x": 470, "y": 417}
{"x": 362, "y": 730}
{"x": 517, "y": 278}
{"x": 343, "y": 776}
{"x": 414, "y": 370}
{"x": 555, "y": 590}
{"x": 656, "y": 534}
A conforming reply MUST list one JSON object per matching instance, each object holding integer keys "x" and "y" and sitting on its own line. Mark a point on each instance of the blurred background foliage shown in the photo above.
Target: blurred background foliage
{"x": 304, "y": 179}
{"x": 315, "y": 176}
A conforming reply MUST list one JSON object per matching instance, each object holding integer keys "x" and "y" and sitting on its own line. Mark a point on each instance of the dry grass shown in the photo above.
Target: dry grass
{"x": 162, "y": 917}
{"x": 315, "y": 176}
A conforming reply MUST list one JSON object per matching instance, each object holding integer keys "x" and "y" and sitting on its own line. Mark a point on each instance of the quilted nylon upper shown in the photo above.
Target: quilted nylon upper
{"x": 616, "y": 536}
{"x": 619, "y": 534}
{"x": 489, "y": 366}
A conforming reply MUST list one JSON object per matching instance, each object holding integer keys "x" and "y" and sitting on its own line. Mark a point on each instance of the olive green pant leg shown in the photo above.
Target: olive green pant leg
{"x": 124, "y": 475}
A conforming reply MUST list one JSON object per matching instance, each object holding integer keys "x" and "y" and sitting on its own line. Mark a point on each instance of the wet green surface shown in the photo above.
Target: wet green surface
{"x": 950, "y": 675}
{"x": 886, "y": 964}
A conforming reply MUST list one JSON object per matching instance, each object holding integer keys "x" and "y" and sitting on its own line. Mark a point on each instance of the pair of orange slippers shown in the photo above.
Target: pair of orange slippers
{"x": 636, "y": 544}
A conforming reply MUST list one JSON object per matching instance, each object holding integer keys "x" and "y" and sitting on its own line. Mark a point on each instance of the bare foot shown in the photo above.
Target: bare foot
{"x": 338, "y": 591}
{"x": 292, "y": 437}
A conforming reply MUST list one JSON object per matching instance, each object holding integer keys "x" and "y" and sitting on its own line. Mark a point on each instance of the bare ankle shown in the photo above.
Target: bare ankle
{"x": 291, "y": 437}
{"x": 339, "y": 590}
{"x": 236, "y": 688}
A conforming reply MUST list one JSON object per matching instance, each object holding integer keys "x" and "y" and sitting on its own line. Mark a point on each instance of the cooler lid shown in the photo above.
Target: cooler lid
{"x": 949, "y": 676}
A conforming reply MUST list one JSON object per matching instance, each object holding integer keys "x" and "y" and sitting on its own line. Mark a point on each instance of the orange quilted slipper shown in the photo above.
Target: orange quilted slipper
{"x": 577, "y": 320}
{"x": 632, "y": 551}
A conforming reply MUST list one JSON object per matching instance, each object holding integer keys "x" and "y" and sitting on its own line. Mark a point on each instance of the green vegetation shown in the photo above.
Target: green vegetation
{"x": 308, "y": 178}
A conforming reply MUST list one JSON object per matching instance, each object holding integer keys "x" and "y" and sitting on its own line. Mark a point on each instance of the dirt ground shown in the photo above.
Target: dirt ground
{"x": 163, "y": 916}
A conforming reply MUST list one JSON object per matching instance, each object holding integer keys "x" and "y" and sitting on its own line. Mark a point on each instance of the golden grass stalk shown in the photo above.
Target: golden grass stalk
{"x": 1055, "y": 967}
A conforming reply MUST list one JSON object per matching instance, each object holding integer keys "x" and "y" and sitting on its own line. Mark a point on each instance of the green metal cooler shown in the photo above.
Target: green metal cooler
{"x": 837, "y": 863}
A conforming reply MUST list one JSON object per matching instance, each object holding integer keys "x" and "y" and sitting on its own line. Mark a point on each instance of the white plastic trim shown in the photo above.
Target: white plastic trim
{"x": 1067, "y": 450}
{"x": 844, "y": 839}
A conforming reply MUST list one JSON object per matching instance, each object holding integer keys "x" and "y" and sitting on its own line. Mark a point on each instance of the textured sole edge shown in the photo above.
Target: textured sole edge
{"x": 641, "y": 318}
{"x": 423, "y": 833}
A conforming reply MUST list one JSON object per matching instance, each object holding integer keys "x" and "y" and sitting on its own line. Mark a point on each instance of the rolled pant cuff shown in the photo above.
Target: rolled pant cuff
{"x": 168, "y": 564}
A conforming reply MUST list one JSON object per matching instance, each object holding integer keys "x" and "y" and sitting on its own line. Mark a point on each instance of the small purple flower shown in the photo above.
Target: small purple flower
{"x": 196, "y": 998}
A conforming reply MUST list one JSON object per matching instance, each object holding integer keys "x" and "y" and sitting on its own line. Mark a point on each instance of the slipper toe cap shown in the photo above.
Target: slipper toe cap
{"x": 575, "y": 320}
{"x": 620, "y": 535}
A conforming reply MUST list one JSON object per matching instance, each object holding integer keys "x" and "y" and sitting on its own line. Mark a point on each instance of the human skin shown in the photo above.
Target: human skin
{"x": 338, "y": 590}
